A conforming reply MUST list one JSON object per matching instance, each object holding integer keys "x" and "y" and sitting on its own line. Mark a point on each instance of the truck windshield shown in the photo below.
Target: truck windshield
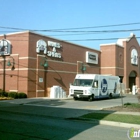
{"x": 83, "y": 82}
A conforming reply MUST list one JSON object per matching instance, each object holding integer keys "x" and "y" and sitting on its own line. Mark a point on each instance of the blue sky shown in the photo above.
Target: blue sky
{"x": 63, "y": 14}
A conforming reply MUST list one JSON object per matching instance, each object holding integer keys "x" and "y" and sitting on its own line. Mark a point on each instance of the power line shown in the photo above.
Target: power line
{"x": 83, "y": 32}
{"x": 98, "y": 39}
{"x": 95, "y": 32}
{"x": 74, "y": 32}
{"x": 50, "y": 30}
{"x": 92, "y": 39}
{"x": 99, "y": 26}
{"x": 103, "y": 31}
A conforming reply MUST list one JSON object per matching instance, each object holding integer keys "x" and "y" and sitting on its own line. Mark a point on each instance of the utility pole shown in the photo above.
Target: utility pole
{"x": 3, "y": 73}
{"x": 4, "y": 64}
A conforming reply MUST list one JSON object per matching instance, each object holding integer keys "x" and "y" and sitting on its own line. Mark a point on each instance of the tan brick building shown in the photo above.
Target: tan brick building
{"x": 39, "y": 62}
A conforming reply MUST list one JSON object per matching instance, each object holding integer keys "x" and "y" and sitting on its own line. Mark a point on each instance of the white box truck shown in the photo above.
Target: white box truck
{"x": 93, "y": 86}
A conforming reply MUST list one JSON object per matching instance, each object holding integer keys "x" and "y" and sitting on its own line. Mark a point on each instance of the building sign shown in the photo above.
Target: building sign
{"x": 5, "y": 47}
{"x": 54, "y": 44}
{"x": 134, "y": 57}
{"x": 91, "y": 57}
{"x": 42, "y": 46}
{"x": 53, "y": 53}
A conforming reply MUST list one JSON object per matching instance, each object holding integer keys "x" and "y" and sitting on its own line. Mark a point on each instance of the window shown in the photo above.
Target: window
{"x": 83, "y": 82}
{"x": 95, "y": 85}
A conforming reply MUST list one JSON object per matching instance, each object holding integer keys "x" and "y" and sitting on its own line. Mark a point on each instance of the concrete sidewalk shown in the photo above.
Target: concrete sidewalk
{"x": 33, "y": 100}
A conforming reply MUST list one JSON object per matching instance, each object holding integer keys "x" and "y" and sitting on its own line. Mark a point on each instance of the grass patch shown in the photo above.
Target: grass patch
{"x": 134, "y": 119}
{"x": 132, "y": 105}
{"x": 125, "y": 118}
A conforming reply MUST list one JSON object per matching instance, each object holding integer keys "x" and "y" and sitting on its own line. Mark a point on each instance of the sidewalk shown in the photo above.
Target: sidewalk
{"x": 33, "y": 100}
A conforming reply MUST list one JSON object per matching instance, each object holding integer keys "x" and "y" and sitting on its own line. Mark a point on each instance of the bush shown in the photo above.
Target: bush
{"x": 13, "y": 95}
{"x": 22, "y": 95}
{"x": 3, "y": 94}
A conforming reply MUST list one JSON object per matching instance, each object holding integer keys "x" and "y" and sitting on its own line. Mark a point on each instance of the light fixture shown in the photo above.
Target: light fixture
{"x": 13, "y": 64}
{"x": 8, "y": 63}
{"x": 45, "y": 63}
{"x": 83, "y": 68}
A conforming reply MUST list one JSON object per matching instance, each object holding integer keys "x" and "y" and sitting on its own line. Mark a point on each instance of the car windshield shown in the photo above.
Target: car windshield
{"x": 83, "y": 82}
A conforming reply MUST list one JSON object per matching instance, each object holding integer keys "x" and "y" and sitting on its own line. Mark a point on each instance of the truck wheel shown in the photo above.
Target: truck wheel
{"x": 75, "y": 98}
{"x": 110, "y": 96}
{"x": 91, "y": 98}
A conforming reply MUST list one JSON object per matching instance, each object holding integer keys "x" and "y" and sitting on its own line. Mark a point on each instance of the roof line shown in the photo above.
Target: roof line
{"x": 28, "y": 31}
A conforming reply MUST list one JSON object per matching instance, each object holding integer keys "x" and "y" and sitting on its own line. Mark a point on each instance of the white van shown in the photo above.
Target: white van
{"x": 93, "y": 86}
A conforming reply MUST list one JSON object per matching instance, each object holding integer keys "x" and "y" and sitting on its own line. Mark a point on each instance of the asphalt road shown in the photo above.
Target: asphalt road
{"x": 19, "y": 122}
{"x": 45, "y": 119}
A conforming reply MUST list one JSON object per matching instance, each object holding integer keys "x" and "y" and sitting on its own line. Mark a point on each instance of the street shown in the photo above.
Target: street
{"x": 27, "y": 126}
{"x": 49, "y": 120}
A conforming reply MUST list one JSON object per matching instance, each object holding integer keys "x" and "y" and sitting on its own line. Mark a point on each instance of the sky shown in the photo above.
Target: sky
{"x": 84, "y": 22}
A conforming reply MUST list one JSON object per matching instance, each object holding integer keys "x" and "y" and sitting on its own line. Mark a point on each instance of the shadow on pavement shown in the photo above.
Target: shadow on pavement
{"x": 43, "y": 122}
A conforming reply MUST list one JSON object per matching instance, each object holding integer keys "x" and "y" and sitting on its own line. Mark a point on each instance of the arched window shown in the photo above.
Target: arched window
{"x": 134, "y": 57}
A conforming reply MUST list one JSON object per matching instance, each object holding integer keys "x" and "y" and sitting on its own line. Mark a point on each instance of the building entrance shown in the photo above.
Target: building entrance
{"x": 132, "y": 79}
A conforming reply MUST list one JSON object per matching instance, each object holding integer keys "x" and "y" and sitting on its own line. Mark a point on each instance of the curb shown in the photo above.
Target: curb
{"x": 117, "y": 112}
{"x": 110, "y": 123}
{"x": 119, "y": 124}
